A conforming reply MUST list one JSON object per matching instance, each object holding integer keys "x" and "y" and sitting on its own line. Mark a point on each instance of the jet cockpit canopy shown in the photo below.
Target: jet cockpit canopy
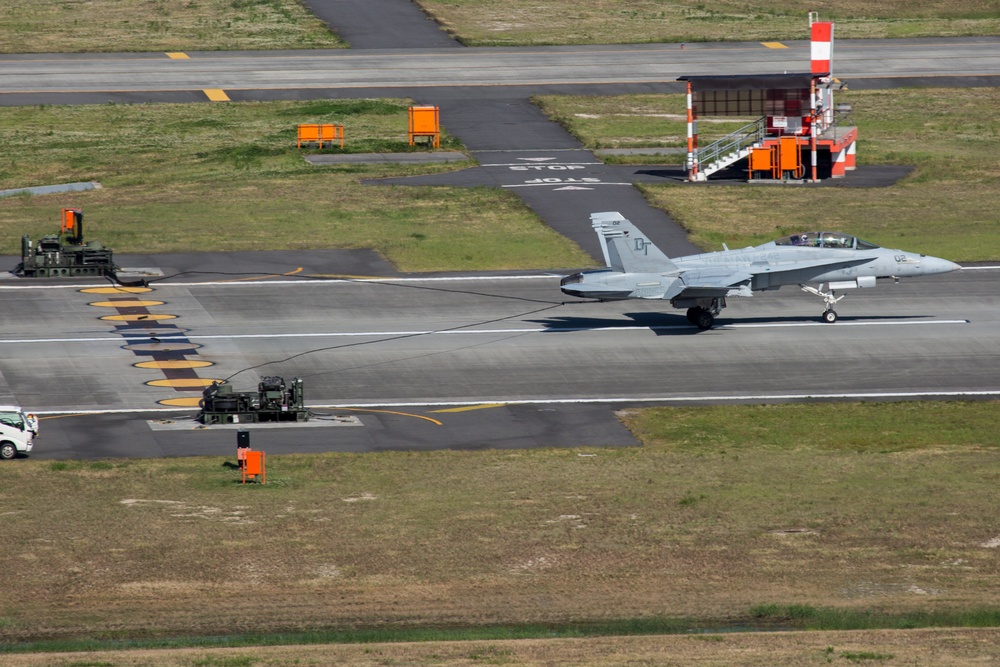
{"x": 826, "y": 240}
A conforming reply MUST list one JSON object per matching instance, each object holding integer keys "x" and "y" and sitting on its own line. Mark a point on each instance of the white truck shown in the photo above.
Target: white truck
{"x": 17, "y": 431}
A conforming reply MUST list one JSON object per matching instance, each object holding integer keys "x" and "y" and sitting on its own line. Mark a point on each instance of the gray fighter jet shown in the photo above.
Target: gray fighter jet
{"x": 637, "y": 269}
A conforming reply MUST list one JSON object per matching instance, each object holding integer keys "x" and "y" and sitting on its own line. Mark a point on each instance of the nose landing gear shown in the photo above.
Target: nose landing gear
{"x": 829, "y": 298}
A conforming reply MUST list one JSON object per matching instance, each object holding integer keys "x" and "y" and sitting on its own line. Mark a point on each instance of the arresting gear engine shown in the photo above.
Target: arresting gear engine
{"x": 272, "y": 402}
{"x": 65, "y": 254}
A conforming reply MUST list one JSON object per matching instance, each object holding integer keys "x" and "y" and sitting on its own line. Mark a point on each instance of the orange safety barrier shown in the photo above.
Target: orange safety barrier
{"x": 320, "y": 132}
{"x": 254, "y": 465}
{"x": 425, "y": 122}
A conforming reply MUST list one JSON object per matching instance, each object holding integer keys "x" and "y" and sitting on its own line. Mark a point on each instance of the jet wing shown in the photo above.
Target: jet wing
{"x": 715, "y": 278}
{"x": 712, "y": 282}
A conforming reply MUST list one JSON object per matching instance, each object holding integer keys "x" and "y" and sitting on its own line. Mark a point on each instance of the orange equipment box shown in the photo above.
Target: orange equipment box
{"x": 791, "y": 158}
{"x": 318, "y": 133}
{"x": 254, "y": 465}
{"x": 425, "y": 122}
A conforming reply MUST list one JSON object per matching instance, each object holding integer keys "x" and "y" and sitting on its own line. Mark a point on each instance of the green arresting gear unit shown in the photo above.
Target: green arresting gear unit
{"x": 272, "y": 402}
{"x": 65, "y": 254}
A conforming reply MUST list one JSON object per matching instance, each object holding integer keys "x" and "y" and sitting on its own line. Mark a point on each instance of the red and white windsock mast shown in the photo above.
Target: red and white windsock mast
{"x": 822, "y": 67}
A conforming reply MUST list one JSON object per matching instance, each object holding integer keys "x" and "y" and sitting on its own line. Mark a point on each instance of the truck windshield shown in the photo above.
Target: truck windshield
{"x": 12, "y": 419}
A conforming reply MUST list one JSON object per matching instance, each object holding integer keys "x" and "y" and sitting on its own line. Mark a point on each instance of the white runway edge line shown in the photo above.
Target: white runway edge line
{"x": 139, "y": 337}
{"x": 666, "y": 400}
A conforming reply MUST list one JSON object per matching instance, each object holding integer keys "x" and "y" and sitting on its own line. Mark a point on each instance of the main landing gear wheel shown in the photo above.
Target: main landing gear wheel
{"x": 830, "y": 316}
{"x": 701, "y": 318}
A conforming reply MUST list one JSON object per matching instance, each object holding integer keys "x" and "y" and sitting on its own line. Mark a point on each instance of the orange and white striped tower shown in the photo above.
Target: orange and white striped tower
{"x": 692, "y": 154}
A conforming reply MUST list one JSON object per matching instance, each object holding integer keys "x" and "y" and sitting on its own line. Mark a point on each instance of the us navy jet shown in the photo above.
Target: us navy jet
{"x": 637, "y": 269}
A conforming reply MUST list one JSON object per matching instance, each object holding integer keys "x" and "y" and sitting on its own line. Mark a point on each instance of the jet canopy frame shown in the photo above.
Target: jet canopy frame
{"x": 825, "y": 240}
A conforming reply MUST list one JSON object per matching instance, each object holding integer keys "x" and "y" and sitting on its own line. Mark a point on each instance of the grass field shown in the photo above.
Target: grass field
{"x": 163, "y": 168}
{"x": 914, "y": 648}
{"x": 521, "y": 22}
{"x": 28, "y": 26}
{"x": 946, "y": 207}
{"x": 228, "y": 176}
{"x": 730, "y": 516}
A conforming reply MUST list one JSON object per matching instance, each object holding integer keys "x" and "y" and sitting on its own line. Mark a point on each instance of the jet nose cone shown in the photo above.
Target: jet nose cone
{"x": 937, "y": 265}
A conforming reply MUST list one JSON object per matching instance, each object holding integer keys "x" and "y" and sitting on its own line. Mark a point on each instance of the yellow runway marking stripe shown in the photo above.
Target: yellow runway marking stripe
{"x": 216, "y": 94}
{"x": 144, "y": 317}
{"x": 273, "y": 275}
{"x": 182, "y": 383}
{"x": 124, "y": 304}
{"x": 774, "y": 45}
{"x": 393, "y": 412}
{"x": 173, "y": 364}
{"x": 116, "y": 290}
{"x": 178, "y": 55}
{"x": 189, "y": 402}
{"x": 467, "y": 408}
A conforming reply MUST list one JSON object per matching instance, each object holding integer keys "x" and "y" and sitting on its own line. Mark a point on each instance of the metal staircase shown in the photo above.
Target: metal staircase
{"x": 729, "y": 149}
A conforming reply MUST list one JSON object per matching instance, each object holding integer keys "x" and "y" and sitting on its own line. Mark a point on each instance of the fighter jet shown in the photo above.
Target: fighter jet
{"x": 637, "y": 269}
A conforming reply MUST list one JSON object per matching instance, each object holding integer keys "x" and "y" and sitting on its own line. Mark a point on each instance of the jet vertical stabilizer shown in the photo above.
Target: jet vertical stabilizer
{"x": 627, "y": 249}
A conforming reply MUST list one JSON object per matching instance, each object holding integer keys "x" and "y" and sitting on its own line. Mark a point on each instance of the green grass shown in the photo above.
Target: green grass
{"x": 757, "y": 619}
{"x": 189, "y": 177}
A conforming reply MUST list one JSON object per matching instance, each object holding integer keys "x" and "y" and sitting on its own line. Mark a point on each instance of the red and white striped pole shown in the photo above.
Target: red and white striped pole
{"x": 822, "y": 48}
{"x": 692, "y": 156}
{"x": 821, "y": 33}
{"x": 813, "y": 130}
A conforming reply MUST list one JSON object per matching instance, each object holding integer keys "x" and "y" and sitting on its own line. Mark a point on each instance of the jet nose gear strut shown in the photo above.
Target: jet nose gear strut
{"x": 829, "y": 298}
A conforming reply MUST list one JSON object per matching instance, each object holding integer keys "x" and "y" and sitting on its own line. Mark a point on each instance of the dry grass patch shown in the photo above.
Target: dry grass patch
{"x": 702, "y": 523}
{"x": 519, "y": 22}
{"x": 29, "y": 26}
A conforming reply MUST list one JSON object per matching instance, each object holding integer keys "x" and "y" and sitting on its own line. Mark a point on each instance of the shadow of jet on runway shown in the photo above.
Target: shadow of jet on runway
{"x": 662, "y": 324}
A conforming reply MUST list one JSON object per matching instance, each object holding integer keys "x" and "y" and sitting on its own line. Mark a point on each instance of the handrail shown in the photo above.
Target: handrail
{"x": 734, "y": 141}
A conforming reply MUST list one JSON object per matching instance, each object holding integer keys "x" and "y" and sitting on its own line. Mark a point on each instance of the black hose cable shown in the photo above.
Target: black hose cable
{"x": 390, "y": 338}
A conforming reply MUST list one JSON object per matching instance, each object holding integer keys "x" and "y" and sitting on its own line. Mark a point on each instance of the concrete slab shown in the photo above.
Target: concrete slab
{"x": 51, "y": 189}
{"x": 191, "y": 424}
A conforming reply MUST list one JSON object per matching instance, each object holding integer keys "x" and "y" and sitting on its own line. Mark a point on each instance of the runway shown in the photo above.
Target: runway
{"x": 468, "y": 361}
{"x": 408, "y": 71}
